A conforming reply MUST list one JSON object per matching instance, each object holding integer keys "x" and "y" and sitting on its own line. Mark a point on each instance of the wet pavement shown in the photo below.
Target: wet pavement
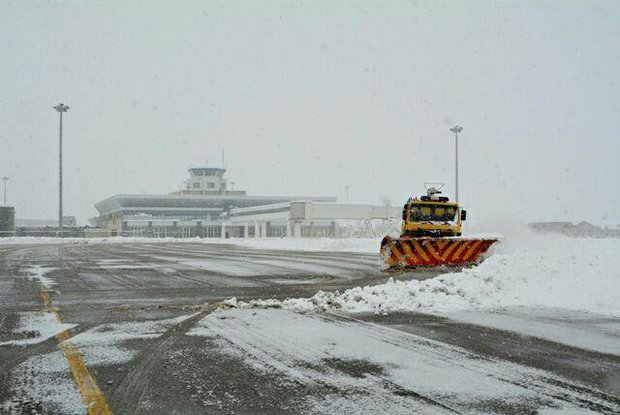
{"x": 134, "y": 328}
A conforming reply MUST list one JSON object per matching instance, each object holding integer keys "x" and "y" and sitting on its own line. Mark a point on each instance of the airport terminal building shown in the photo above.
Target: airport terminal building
{"x": 206, "y": 207}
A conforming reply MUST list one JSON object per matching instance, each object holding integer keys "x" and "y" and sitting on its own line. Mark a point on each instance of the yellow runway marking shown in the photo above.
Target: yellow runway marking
{"x": 94, "y": 400}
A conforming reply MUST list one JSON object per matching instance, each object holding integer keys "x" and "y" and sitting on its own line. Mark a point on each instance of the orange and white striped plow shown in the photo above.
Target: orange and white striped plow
{"x": 407, "y": 252}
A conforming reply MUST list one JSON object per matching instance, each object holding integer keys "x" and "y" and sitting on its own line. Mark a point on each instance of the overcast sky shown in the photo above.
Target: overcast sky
{"x": 306, "y": 97}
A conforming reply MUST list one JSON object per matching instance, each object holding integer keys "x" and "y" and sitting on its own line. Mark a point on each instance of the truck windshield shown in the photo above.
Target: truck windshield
{"x": 435, "y": 213}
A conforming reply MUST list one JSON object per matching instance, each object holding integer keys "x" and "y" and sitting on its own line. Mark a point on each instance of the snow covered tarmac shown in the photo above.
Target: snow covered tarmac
{"x": 137, "y": 313}
{"x": 376, "y": 368}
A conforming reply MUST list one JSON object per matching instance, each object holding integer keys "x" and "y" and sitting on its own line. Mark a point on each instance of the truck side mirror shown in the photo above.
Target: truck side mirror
{"x": 463, "y": 214}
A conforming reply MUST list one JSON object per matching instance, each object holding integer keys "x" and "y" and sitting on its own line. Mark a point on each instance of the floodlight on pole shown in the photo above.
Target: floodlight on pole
{"x": 60, "y": 108}
{"x": 456, "y": 130}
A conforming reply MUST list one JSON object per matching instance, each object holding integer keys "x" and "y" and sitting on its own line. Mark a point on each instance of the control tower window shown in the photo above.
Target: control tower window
{"x": 211, "y": 185}
{"x": 196, "y": 185}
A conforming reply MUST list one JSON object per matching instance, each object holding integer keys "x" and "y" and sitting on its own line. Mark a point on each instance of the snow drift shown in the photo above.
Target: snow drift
{"x": 528, "y": 270}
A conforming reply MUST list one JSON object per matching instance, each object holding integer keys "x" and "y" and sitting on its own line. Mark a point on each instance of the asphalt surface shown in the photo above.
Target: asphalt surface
{"x": 137, "y": 332}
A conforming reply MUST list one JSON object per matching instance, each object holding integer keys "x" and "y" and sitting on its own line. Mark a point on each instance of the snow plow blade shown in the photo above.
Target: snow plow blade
{"x": 408, "y": 252}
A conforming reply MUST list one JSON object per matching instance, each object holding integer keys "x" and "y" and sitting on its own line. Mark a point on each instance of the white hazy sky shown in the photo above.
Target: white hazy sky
{"x": 306, "y": 97}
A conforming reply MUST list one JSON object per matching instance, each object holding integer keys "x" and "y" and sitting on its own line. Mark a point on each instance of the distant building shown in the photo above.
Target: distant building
{"x": 34, "y": 223}
{"x": 48, "y": 227}
{"x": 69, "y": 221}
{"x": 582, "y": 229}
{"x": 197, "y": 210}
{"x": 207, "y": 208}
{"x": 557, "y": 227}
{"x": 7, "y": 220}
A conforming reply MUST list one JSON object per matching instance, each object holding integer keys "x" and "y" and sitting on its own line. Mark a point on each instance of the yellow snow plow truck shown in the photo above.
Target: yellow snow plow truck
{"x": 431, "y": 235}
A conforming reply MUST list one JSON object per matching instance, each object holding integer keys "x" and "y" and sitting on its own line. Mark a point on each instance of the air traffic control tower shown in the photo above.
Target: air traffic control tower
{"x": 204, "y": 180}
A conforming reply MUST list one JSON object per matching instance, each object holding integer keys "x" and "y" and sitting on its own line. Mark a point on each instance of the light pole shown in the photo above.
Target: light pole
{"x": 456, "y": 130}
{"x": 60, "y": 108}
{"x": 4, "y": 179}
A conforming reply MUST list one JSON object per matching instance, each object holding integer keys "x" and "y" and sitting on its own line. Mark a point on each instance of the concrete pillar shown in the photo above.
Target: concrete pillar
{"x": 289, "y": 229}
{"x": 297, "y": 230}
{"x": 263, "y": 229}
{"x": 245, "y": 230}
{"x": 256, "y": 230}
{"x": 223, "y": 232}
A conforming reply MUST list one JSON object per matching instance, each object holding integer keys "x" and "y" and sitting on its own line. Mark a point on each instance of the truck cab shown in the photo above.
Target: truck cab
{"x": 432, "y": 215}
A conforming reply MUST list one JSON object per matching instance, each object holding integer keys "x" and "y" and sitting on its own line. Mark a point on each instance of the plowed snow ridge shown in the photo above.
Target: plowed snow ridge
{"x": 551, "y": 271}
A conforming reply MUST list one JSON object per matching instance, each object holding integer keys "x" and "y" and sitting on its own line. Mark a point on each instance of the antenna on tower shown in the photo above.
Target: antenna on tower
{"x": 223, "y": 160}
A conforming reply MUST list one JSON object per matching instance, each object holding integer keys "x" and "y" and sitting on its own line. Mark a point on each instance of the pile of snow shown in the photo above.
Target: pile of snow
{"x": 366, "y": 245}
{"x": 360, "y": 245}
{"x": 47, "y": 240}
{"x": 533, "y": 270}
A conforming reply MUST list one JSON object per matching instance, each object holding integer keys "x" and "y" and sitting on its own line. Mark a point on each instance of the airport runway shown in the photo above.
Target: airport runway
{"x": 133, "y": 328}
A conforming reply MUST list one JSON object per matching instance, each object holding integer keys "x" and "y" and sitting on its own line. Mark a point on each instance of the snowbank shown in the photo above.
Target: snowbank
{"x": 529, "y": 270}
{"x": 367, "y": 245}
{"x": 364, "y": 245}
{"x": 360, "y": 245}
{"x": 44, "y": 240}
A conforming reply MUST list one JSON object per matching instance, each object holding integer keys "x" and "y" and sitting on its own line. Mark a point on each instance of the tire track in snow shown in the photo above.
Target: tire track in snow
{"x": 535, "y": 379}
{"x": 126, "y": 397}
{"x": 431, "y": 372}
